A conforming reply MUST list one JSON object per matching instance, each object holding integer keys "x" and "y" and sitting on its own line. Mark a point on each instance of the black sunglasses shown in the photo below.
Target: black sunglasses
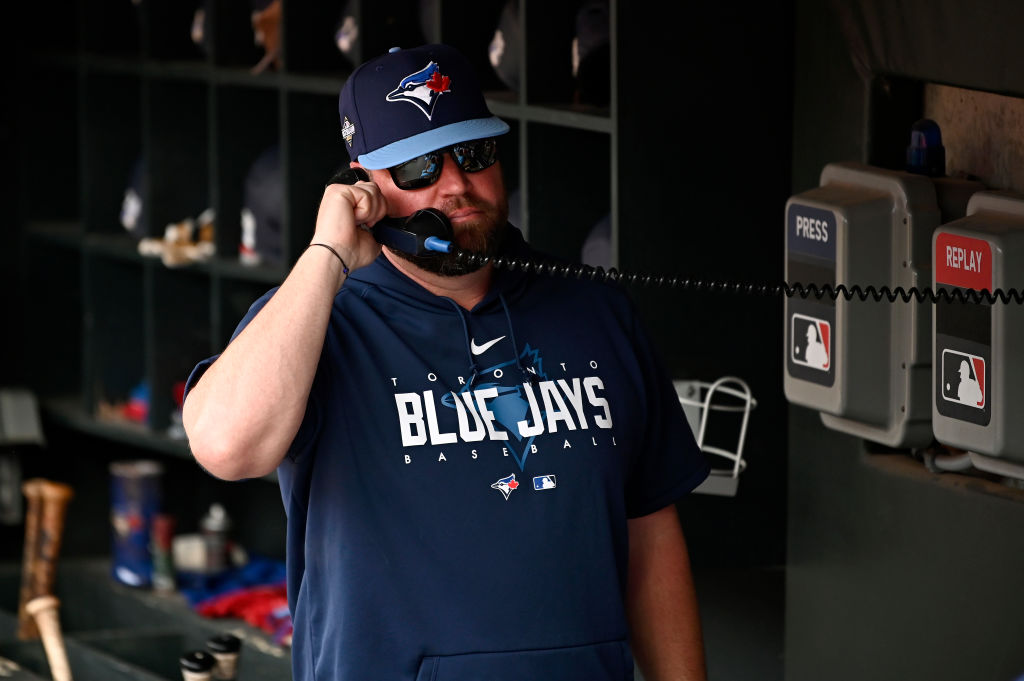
{"x": 423, "y": 171}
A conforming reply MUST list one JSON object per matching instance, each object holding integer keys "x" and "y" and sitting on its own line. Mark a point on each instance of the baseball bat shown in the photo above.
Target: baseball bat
{"x": 33, "y": 507}
{"x": 47, "y": 502}
{"x": 44, "y": 611}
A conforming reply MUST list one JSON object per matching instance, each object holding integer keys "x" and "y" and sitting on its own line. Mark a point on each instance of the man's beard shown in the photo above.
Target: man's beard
{"x": 481, "y": 237}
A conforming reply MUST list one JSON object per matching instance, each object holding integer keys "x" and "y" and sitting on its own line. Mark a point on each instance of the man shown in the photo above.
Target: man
{"x": 478, "y": 466}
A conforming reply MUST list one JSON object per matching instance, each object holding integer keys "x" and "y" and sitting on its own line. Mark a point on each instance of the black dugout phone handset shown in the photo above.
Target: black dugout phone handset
{"x": 428, "y": 232}
{"x": 425, "y": 232}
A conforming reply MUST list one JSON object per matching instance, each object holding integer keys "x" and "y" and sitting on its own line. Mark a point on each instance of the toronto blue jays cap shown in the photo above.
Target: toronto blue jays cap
{"x": 409, "y": 102}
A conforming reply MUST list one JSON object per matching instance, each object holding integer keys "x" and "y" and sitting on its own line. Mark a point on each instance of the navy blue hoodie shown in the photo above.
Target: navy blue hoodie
{"x": 457, "y": 495}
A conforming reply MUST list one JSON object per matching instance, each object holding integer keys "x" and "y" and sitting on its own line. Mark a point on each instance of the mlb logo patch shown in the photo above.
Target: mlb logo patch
{"x": 963, "y": 378}
{"x": 811, "y": 342}
{"x": 544, "y": 482}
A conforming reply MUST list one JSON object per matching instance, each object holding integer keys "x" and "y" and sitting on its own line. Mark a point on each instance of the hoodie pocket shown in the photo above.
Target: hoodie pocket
{"x": 610, "y": 661}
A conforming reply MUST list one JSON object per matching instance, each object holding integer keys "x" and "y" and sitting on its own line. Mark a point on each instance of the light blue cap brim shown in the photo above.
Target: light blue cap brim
{"x": 453, "y": 133}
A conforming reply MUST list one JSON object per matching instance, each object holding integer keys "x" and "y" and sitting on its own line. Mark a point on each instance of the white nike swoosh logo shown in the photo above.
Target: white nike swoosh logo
{"x": 480, "y": 349}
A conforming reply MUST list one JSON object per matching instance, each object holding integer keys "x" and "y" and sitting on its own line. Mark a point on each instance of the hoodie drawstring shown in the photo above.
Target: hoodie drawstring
{"x": 529, "y": 376}
{"x": 473, "y": 368}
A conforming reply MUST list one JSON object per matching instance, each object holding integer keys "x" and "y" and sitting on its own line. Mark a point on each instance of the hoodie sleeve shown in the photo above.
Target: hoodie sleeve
{"x": 308, "y": 429}
{"x": 203, "y": 365}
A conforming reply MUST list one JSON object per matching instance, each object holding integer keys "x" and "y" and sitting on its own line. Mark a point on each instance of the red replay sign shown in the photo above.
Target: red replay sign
{"x": 963, "y": 261}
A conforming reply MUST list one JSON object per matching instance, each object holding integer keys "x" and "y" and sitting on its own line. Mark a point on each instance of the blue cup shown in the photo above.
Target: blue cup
{"x": 136, "y": 497}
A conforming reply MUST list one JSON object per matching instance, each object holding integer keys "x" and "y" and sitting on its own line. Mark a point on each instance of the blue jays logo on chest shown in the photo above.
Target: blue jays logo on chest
{"x": 508, "y": 409}
{"x": 509, "y": 404}
{"x": 422, "y": 89}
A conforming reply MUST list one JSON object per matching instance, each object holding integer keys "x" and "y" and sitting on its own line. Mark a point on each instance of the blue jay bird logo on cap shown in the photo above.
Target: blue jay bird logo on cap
{"x": 422, "y": 88}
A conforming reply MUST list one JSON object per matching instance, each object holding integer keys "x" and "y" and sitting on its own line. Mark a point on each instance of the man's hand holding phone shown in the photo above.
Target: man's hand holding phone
{"x": 344, "y": 209}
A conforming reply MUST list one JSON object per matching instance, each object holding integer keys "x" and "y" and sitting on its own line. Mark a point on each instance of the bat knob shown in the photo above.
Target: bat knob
{"x": 197, "y": 665}
{"x": 40, "y": 604}
{"x": 225, "y": 648}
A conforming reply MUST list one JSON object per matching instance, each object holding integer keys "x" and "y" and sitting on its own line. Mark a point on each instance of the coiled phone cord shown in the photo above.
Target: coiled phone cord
{"x": 580, "y": 271}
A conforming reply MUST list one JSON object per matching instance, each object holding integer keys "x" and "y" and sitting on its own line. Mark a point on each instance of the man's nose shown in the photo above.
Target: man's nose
{"x": 453, "y": 179}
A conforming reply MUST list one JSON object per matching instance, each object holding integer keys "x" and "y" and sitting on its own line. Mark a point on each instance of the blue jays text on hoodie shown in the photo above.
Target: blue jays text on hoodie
{"x": 458, "y": 492}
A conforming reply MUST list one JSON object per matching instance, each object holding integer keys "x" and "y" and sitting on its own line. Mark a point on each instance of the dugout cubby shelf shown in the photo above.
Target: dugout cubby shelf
{"x": 116, "y": 92}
